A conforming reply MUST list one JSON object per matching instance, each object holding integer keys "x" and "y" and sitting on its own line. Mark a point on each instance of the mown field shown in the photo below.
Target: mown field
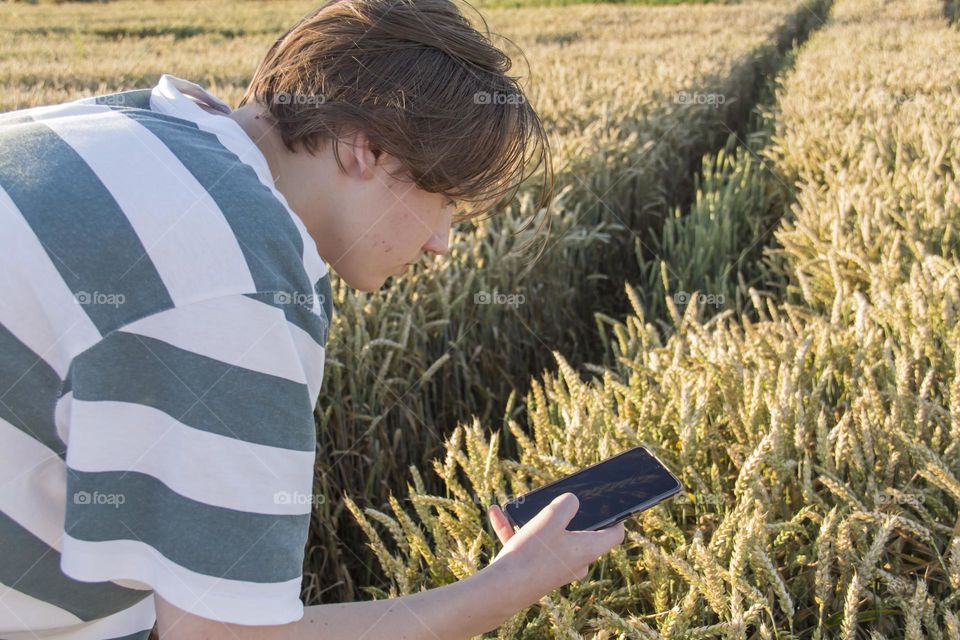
{"x": 752, "y": 269}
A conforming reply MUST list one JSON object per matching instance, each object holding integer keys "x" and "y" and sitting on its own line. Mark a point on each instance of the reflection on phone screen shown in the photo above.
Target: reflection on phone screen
{"x": 604, "y": 490}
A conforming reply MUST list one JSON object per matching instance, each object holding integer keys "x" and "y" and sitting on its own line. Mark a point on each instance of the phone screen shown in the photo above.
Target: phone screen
{"x": 608, "y": 491}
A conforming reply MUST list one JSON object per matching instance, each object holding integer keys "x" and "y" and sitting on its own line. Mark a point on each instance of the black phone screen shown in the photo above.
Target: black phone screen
{"x": 608, "y": 491}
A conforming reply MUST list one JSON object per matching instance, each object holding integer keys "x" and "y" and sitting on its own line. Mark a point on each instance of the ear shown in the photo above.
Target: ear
{"x": 363, "y": 155}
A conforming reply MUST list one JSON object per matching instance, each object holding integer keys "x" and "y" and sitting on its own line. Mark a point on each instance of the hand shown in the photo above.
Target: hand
{"x": 543, "y": 555}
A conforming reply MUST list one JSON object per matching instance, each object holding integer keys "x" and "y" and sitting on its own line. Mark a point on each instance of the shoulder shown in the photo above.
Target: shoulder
{"x": 154, "y": 212}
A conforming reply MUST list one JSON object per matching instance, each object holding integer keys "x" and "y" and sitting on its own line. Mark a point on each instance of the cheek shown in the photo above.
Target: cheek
{"x": 399, "y": 235}
{"x": 376, "y": 239}
{"x": 406, "y": 233}
{"x": 389, "y": 244}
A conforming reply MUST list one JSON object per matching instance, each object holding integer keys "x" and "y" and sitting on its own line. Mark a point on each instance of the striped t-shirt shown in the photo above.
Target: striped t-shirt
{"x": 163, "y": 318}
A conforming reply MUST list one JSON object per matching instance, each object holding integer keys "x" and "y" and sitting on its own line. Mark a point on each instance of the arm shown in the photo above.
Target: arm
{"x": 464, "y": 609}
{"x": 461, "y": 610}
{"x": 534, "y": 561}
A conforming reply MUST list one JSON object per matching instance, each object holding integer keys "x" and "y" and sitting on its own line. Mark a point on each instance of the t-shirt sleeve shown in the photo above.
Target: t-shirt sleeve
{"x": 190, "y": 455}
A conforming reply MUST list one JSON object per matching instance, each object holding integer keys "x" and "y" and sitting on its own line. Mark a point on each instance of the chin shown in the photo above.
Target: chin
{"x": 368, "y": 284}
{"x": 368, "y": 287}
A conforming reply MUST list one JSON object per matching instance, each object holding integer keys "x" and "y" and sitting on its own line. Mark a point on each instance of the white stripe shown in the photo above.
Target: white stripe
{"x": 206, "y": 467}
{"x": 183, "y": 231}
{"x": 61, "y": 416}
{"x": 33, "y": 487}
{"x": 73, "y": 108}
{"x": 139, "y": 617}
{"x": 32, "y": 482}
{"x": 22, "y": 612}
{"x": 240, "y": 602}
{"x": 312, "y": 356}
{"x": 38, "y": 306}
{"x": 169, "y": 97}
{"x": 237, "y": 330}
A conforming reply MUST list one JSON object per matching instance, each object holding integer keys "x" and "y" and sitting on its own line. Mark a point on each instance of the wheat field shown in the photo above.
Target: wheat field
{"x": 819, "y": 443}
{"x": 752, "y": 268}
{"x": 405, "y": 364}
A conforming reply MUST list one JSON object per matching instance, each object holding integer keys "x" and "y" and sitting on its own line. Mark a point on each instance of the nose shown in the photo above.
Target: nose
{"x": 438, "y": 243}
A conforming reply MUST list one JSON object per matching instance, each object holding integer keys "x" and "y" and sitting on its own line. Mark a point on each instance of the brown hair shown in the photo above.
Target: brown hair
{"x": 420, "y": 82}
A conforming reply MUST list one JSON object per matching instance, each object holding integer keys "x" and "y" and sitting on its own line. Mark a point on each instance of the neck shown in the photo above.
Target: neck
{"x": 294, "y": 175}
{"x": 252, "y": 119}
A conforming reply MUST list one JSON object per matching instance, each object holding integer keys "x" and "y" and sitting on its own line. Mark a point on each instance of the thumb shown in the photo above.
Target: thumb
{"x": 603, "y": 540}
{"x": 562, "y": 508}
{"x": 615, "y": 535}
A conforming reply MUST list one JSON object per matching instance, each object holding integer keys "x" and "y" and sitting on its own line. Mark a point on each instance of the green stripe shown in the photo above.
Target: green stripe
{"x": 267, "y": 236}
{"x": 139, "y": 635}
{"x": 133, "y": 99}
{"x": 34, "y": 569}
{"x": 236, "y": 402}
{"x": 81, "y": 227}
{"x": 325, "y": 292}
{"x": 214, "y": 541}
{"x": 14, "y": 118}
{"x": 28, "y": 392}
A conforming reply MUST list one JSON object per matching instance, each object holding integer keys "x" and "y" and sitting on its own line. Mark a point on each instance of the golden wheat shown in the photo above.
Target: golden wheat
{"x": 819, "y": 441}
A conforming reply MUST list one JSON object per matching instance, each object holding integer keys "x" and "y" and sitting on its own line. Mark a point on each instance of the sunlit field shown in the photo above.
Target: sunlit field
{"x": 752, "y": 268}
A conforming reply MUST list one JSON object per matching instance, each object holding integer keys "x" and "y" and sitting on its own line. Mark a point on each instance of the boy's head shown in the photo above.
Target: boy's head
{"x": 382, "y": 118}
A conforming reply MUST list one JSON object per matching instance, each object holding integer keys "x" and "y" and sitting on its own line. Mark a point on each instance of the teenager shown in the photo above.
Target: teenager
{"x": 164, "y": 309}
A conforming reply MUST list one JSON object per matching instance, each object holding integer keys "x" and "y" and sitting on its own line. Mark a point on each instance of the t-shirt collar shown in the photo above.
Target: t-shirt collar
{"x": 175, "y": 97}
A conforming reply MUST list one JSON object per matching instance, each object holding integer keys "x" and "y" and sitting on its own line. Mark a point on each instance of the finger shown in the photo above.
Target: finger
{"x": 500, "y": 523}
{"x": 506, "y": 528}
{"x": 605, "y": 539}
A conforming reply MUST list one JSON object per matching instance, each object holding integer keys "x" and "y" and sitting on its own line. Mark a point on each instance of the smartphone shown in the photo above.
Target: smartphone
{"x": 609, "y": 491}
